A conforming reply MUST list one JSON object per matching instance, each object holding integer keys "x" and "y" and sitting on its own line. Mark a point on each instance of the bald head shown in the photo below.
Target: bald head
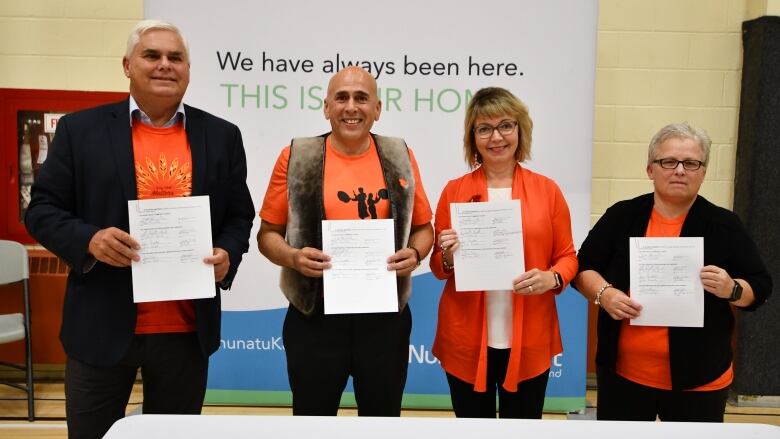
{"x": 351, "y": 74}
{"x": 352, "y": 107}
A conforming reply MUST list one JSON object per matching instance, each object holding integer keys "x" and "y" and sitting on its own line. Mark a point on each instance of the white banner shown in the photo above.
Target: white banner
{"x": 265, "y": 66}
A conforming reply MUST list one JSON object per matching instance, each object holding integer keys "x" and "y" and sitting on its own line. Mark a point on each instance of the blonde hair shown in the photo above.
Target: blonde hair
{"x": 493, "y": 102}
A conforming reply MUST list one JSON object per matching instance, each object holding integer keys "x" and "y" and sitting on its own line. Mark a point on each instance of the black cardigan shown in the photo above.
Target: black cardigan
{"x": 697, "y": 355}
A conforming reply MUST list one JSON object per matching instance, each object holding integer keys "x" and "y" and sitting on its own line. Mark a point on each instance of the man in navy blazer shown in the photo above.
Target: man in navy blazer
{"x": 148, "y": 146}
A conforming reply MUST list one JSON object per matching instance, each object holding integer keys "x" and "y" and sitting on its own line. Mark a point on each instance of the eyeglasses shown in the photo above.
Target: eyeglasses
{"x": 505, "y": 128}
{"x": 688, "y": 165}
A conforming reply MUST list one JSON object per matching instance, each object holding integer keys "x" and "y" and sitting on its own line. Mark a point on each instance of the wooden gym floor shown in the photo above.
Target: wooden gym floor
{"x": 50, "y": 412}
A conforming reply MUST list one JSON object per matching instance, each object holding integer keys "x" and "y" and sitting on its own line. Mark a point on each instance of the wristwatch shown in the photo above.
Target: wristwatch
{"x": 558, "y": 280}
{"x": 736, "y": 292}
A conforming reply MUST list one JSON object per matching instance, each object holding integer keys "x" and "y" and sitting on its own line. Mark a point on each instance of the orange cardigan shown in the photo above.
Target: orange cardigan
{"x": 461, "y": 333}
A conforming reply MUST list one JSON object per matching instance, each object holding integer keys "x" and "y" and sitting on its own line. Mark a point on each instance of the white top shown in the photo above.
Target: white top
{"x": 499, "y": 303}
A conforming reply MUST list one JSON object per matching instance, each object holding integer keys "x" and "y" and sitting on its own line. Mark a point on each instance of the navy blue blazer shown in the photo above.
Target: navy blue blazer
{"x": 84, "y": 185}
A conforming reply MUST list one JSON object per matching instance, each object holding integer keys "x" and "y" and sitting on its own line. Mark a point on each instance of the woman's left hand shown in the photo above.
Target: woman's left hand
{"x": 534, "y": 281}
{"x": 717, "y": 281}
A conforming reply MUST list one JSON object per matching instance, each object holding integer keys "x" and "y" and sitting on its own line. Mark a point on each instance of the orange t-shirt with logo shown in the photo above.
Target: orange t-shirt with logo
{"x": 643, "y": 351}
{"x": 354, "y": 188}
{"x": 163, "y": 169}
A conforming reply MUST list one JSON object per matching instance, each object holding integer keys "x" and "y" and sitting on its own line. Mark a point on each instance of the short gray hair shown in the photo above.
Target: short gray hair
{"x": 682, "y": 130}
{"x": 145, "y": 26}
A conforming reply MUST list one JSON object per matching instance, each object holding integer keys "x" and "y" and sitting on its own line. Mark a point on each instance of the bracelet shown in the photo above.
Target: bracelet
{"x": 597, "y": 301}
{"x": 447, "y": 267}
{"x": 416, "y": 252}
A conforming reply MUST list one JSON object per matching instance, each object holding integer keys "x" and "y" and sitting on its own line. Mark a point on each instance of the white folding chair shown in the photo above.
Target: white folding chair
{"x": 13, "y": 327}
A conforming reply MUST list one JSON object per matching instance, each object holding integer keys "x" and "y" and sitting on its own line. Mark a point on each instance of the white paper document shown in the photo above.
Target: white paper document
{"x": 175, "y": 236}
{"x": 358, "y": 280}
{"x": 665, "y": 279}
{"x": 490, "y": 254}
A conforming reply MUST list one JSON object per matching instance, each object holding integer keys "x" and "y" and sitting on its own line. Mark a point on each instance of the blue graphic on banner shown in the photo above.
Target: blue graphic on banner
{"x": 251, "y": 356}
{"x": 425, "y": 374}
{"x": 567, "y": 374}
{"x": 251, "y": 353}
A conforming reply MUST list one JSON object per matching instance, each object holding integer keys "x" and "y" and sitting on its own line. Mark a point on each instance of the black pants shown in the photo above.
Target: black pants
{"x": 324, "y": 350}
{"x": 620, "y": 399}
{"x": 174, "y": 374}
{"x": 526, "y": 403}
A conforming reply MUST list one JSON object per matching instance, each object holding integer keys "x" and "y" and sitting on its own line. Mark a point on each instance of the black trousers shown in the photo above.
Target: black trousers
{"x": 620, "y": 399}
{"x": 526, "y": 403}
{"x": 324, "y": 350}
{"x": 174, "y": 373}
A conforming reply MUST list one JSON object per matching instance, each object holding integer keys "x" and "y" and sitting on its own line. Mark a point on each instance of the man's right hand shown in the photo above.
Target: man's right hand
{"x": 114, "y": 247}
{"x": 310, "y": 262}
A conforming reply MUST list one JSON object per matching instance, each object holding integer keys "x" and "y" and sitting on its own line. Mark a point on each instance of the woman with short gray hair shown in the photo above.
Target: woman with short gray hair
{"x": 673, "y": 373}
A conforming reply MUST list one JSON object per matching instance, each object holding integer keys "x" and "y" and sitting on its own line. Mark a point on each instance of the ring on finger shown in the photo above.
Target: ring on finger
{"x": 530, "y": 288}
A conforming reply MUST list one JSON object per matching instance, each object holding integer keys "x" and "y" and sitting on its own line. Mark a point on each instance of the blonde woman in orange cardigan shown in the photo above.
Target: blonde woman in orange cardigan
{"x": 502, "y": 342}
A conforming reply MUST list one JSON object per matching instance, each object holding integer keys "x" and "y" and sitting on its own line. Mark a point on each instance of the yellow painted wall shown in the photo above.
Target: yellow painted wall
{"x": 757, "y": 8}
{"x": 65, "y": 44}
{"x": 664, "y": 61}
{"x": 659, "y": 61}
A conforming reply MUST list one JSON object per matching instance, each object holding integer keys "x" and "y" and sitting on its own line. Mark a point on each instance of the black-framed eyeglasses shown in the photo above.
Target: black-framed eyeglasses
{"x": 504, "y": 128}
{"x": 688, "y": 165}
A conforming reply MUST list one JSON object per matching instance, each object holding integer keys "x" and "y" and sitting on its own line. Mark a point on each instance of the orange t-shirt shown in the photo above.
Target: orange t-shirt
{"x": 163, "y": 169}
{"x": 354, "y": 188}
{"x": 643, "y": 351}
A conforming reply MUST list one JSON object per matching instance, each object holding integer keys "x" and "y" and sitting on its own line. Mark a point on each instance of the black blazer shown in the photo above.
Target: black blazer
{"x": 697, "y": 355}
{"x": 84, "y": 185}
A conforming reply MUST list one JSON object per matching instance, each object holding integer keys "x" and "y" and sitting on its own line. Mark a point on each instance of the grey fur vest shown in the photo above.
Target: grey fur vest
{"x": 306, "y": 210}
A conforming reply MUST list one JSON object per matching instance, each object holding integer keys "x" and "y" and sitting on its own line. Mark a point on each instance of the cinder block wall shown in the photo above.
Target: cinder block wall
{"x": 664, "y": 61}
{"x": 658, "y": 61}
{"x": 65, "y": 44}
